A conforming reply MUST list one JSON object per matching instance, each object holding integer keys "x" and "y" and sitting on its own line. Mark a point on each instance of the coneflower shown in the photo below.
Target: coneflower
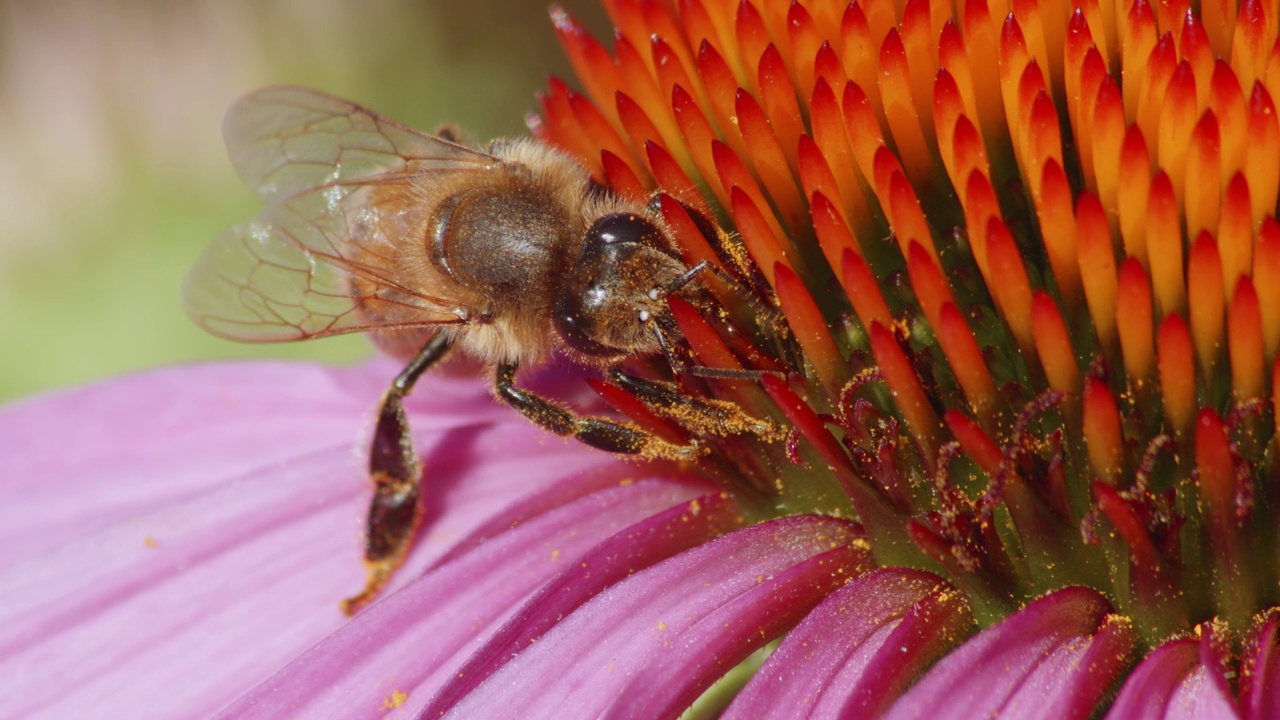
{"x": 1027, "y": 252}
{"x": 1007, "y": 278}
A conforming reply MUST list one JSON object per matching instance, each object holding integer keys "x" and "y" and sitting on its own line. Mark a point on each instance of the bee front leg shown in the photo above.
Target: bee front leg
{"x": 603, "y": 433}
{"x": 394, "y": 512}
{"x": 703, "y": 416}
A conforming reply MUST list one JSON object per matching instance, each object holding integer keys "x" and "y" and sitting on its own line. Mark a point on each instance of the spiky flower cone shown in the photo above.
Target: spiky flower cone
{"x": 1028, "y": 265}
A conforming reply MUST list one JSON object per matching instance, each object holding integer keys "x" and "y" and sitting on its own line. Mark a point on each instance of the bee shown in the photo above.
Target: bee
{"x": 508, "y": 255}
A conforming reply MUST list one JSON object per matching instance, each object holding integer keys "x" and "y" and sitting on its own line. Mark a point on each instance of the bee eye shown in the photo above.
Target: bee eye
{"x": 577, "y": 324}
{"x": 624, "y": 228}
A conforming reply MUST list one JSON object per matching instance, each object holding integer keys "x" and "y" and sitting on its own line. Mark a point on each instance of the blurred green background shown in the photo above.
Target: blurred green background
{"x": 112, "y": 171}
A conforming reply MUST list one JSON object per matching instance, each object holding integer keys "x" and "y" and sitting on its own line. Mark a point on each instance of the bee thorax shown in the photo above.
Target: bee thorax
{"x": 496, "y": 242}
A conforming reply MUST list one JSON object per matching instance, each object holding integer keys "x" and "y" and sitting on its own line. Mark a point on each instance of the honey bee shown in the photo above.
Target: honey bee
{"x": 507, "y": 254}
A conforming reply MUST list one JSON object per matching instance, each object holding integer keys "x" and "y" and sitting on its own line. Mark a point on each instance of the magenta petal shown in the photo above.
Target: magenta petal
{"x": 196, "y": 512}
{"x": 639, "y": 546}
{"x": 83, "y": 459}
{"x": 857, "y": 651}
{"x": 156, "y": 613}
{"x": 150, "y": 617}
{"x": 1172, "y": 683}
{"x": 411, "y": 642}
{"x": 1260, "y": 683}
{"x": 1054, "y": 659}
{"x": 649, "y": 645}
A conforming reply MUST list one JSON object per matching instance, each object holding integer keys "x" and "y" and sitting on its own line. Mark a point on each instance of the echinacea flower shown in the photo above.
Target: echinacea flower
{"x": 1008, "y": 274}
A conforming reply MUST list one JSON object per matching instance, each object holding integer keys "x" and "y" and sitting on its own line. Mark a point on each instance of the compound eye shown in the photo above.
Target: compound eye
{"x": 577, "y": 324}
{"x": 624, "y": 228}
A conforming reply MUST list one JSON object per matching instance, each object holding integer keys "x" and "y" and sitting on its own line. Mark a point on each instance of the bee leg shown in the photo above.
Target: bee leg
{"x": 703, "y": 416}
{"x": 603, "y": 433}
{"x": 681, "y": 367}
{"x": 394, "y": 512}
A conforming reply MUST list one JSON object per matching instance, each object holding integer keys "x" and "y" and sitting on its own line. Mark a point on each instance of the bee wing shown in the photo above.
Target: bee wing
{"x": 321, "y": 258}
{"x": 285, "y": 139}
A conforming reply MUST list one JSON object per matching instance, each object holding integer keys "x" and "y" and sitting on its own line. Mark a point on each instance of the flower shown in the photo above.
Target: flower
{"x": 1022, "y": 249}
{"x": 1007, "y": 280}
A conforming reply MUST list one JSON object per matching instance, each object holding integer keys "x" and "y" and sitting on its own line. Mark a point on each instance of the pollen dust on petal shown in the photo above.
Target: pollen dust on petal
{"x": 394, "y": 700}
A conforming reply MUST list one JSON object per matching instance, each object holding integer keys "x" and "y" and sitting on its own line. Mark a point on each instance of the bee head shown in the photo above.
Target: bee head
{"x": 617, "y": 288}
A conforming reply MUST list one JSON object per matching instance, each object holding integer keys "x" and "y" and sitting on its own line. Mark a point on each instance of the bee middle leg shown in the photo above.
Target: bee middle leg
{"x": 394, "y": 511}
{"x": 603, "y": 433}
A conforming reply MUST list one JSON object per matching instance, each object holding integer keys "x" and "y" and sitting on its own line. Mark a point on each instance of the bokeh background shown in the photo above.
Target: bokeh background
{"x": 112, "y": 171}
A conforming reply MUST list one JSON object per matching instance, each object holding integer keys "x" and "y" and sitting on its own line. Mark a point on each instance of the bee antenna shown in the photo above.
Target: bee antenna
{"x": 687, "y": 277}
{"x": 680, "y": 367}
{"x": 762, "y": 307}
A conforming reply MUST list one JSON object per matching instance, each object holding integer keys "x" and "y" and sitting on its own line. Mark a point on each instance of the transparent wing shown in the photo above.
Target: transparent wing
{"x": 285, "y": 139}
{"x": 327, "y": 254}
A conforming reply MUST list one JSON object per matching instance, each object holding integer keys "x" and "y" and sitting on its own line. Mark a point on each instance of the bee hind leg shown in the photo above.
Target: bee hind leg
{"x": 611, "y": 435}
{"x": 394, "y": 511}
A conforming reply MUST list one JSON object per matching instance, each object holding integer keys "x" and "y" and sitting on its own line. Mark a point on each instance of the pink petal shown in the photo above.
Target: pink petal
{"x": 1175, "y": 682}
{"x": 90, "y": 457}
{"x": 414, "y": 640}
{"x": 640, "y": 546}
{"x": 857, "y": 651}
{"x": 649, "y": 645}
{"x": 97, "y": 455}
{"x": 239, "y": 527}
{"x": 1053, "y": 659}
{"x": 1260, "y": 683}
